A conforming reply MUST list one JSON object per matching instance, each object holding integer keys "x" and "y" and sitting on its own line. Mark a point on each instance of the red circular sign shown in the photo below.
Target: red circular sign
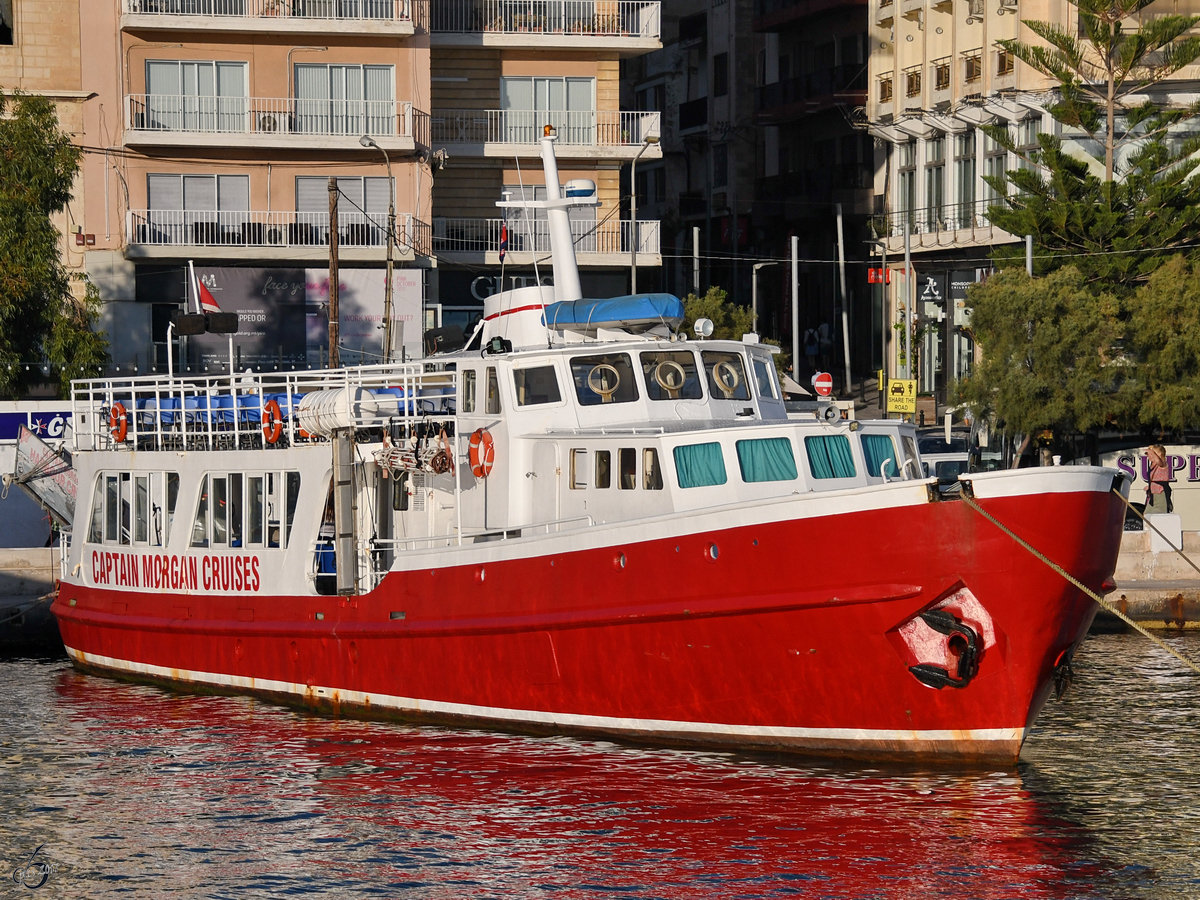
{"x": 822, "y": 383}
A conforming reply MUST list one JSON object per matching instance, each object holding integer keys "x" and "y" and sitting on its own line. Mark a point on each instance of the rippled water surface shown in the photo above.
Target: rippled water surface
{"x": 133, "y": 791}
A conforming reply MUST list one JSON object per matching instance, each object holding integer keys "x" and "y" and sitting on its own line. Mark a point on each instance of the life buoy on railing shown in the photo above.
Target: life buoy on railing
{"x": 481, "y": 452}
{"x": 118, "y": 421}
{"x": 272, "y": 421}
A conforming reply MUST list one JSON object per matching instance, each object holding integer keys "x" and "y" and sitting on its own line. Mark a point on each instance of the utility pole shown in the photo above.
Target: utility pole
{"x": 334, "y": 358}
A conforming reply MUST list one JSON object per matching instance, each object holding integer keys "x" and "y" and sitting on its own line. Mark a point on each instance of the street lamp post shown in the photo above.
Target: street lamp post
{"x": 367, "y": 141}
{"x": 754, "y": 292}
{"x": 633, "y": 229}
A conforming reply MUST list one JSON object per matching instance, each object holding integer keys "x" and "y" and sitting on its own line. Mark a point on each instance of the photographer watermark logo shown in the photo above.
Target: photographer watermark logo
{"x": 34, "y": 873}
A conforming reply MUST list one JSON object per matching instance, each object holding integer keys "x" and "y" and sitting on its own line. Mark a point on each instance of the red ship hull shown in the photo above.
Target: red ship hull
{"x": 796, "y": 634}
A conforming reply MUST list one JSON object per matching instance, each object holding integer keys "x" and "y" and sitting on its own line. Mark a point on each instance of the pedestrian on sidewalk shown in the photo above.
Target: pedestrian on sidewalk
{"x": 1158, "y": 480}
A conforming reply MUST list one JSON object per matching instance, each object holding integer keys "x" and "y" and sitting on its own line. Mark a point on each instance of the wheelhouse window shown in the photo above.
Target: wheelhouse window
{"x": 493, "y": 392}
{"x": 726, "y": 375}
{"x": 766, "y": 459}
{"x": 536, "y": 385}
{"x": 879, "y": 456}
{"x": 466, "y": 400}
{"x": 766, "y": 377}
{"x": 829, "y": 456}
{"x": 671, "y": 376}
{"x": 606, "y": 378}
{"x": 699, "y": 465}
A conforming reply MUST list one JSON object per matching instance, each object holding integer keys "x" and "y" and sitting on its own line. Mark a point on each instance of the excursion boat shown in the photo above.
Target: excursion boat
{"x": 576, "y": 520}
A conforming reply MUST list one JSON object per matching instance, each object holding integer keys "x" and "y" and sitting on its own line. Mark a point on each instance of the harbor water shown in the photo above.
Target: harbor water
{"x": 115, "y": 789}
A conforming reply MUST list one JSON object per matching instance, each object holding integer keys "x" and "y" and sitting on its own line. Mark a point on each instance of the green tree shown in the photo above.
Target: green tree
{"x": 1049, "y": 356}
{"x": 40, "y": 317}
{"x": 730, "y": 321}
{"x": 1100, "y": 66}
{"x": 1165, "y": 328}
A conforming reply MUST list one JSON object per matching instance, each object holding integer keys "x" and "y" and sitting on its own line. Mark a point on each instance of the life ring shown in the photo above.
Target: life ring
{"x": 727, "y": 378}
{"x": 481, "y": 452}
{"x": 670, "y": 376}
{"x": 598, "y": 378}
{"x": 118, "y": 421}
{"x": 272, "y": 421}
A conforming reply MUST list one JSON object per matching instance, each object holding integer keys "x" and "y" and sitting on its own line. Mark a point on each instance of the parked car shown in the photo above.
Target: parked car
{"x": 948, "y": 459}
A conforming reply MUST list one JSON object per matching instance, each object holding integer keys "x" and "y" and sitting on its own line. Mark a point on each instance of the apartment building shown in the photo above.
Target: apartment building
{"x": 937, "y": 76}
{"x": 501, "y": 71}
{"x": 249, "y": 147}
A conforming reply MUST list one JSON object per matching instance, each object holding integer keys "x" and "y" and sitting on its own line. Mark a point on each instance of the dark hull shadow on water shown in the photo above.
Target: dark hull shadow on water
{"x": 129, "y": 789}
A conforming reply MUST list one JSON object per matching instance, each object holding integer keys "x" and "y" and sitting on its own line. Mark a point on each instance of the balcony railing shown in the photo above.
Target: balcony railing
{"x": 945, "y": 225}
{"x": 587, "y": 18}
{"x": 585, "y": 128}
{"x": 267, "y": 115}
{"x": 272, "y": 230}
{"x": 477, "y": 236}
{"x": 374, "y": 10}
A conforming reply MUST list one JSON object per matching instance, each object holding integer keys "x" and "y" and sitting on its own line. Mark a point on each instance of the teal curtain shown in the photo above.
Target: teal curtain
{"x": 878, "y": 448}
{"x": 829, "y": 456}
{"x": 699, "y": 465}
{"x": 766, "y": 459}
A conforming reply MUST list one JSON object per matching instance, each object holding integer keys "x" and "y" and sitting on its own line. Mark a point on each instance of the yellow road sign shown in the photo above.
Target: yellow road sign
{"x": 902, "y": 395}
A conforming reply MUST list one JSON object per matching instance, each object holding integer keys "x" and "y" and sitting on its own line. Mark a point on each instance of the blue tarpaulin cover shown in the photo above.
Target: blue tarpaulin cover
{"x": 634, "y": 309}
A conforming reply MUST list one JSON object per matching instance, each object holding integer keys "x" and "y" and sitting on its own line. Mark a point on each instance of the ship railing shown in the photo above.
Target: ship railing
{"x": 254, "y": 410}
{"x": 64, "y": 548}
{"x": 380, "y": 553}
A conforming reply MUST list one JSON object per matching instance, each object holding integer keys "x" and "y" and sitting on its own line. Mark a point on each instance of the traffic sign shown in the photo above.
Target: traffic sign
{"x": 902, "y": 395}
{"x": 822, "y": 383}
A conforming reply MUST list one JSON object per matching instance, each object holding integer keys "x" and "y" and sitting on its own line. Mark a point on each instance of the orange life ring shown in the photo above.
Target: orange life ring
{"x": 481, "y": 453}
{"x": 118, "y": 421}
{"x": 272, "y": 421}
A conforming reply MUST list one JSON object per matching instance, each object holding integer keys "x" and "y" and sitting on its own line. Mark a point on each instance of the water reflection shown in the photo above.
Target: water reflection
{"x": 132, "y": 789}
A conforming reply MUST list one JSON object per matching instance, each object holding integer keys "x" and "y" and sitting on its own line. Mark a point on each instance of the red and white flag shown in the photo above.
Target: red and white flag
{"x": 208, "y": 302}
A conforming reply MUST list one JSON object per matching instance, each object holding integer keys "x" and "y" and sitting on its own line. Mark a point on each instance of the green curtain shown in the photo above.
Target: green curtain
{"x": 878, "y": 448}
{"x": 699, "y": 465}
{"x": 829, "y": 456}
{"x": 766, "y": 459}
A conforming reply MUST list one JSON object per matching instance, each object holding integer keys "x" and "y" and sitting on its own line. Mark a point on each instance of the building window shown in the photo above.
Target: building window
{"x": 912, "y": 82}
{"x": 344, "y": 99}
{"x": 720, "y": 74}
{"x": 885, "y": 89}
{"x": 906, "y": 177}
{"x": 193, "y": 96}
{"x": 1004, "y": 63}
{"x": 195, "y": 209}
{"x": 528, "y": 103}
{"x": 973, "y": 68}
{"x": 364, "y": 207}
{"x": 935, "y": 181}
{"x": 964, "y": 177}
{"x": 994, "y": 165}
{"x": 941, "y": 75}
{"x": 532, "y": 231}
{"x": 720, "y": 165}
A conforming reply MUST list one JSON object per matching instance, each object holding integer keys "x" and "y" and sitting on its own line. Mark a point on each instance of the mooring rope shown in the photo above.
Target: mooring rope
{"x": 1104, "y": 604}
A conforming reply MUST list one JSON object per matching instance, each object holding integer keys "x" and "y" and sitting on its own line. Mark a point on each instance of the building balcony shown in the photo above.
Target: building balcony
{"x": 812, "y": 92}
{"x": 587, "y": 134}
{"x": 786, "y": 15}
{"x": 259, "y": 235}
{"x": 350, "y": 17}
{"x": 167, "y": 120}
{"x": 606, "y": 243}
{"x": 634, "y": 26}
{"x": 939, "y": 228}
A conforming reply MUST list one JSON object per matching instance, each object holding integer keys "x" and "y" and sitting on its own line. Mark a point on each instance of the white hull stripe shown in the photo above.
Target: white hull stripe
{"x": 606, "y": 723}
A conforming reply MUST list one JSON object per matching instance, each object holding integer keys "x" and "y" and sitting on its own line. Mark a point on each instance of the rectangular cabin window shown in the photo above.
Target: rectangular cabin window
{"x": 726, "y": 375}
{"x": 579, "y": 469}
{"x": 627, "y": 461}
{"x": 466, "y": 402}
{"x": 829, "y": 456}
{"x": 603, "y": 469}
{"x": 283, "y": 490}
{"x": 141, "y": 509}
{"x": 766, "y": 377}
{"x": 766, "y": 459}
{"x": 605, "y": 378}
{"x": 255, "y": 511}
{"x": 493, "y": 392}
{"x": 117, "y": 508}
{"x": 651, "y": 470}
{"x": 699, "y": 465}
{"x": 671, "y": 376}
{"x": 879, "y": 456}
{"x": 536, "y": 385}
